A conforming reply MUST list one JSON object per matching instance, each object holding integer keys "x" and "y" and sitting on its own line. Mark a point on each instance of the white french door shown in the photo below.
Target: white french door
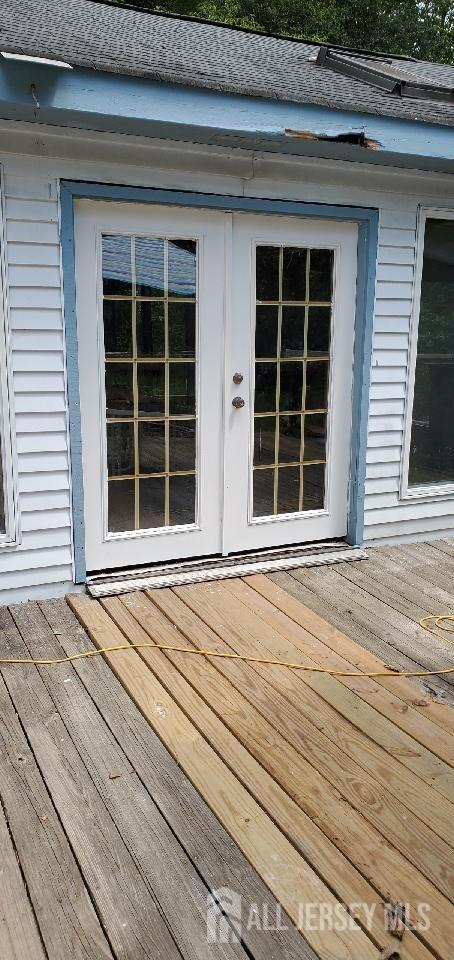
{"x": 291, "y": 341}
{"x": 215, "y": 356}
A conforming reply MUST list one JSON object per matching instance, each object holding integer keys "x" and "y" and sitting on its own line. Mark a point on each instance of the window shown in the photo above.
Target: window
{"x": 8, "y": 531}
{"x": 431, "y": 451}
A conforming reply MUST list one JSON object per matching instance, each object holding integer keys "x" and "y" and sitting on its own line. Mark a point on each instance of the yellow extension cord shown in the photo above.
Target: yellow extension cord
{"x": 439, "y": 621}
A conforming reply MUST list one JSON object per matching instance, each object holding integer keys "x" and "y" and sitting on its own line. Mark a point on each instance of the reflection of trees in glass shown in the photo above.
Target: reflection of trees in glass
{"x": 432, "y": 436}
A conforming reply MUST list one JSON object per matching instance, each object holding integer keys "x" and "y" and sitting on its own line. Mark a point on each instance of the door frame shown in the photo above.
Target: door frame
{"x": 367, "y": 219}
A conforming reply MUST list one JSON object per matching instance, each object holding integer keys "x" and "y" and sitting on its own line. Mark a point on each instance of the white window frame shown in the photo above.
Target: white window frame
{"x": 10, "y": 537}
{"x": 422, "y": 492}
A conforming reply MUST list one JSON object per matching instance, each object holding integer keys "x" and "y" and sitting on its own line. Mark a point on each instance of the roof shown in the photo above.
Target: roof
{"x": 121, "y": 40}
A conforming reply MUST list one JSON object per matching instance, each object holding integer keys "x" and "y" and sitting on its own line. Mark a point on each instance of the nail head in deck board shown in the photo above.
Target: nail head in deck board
{"x": 172, "y": 881}
{"x": 210, "y": 715}
{"x": 285, "y": 871}
{"x": 68, "y": 923}
{"x": 19, "y": 936}
{"x": 218, "y": 860}
{"x": 134, "y": 926}
{"x": 374, "y": 857}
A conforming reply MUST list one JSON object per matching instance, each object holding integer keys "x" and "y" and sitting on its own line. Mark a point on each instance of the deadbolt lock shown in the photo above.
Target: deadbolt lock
{"x": 238, "y": 378}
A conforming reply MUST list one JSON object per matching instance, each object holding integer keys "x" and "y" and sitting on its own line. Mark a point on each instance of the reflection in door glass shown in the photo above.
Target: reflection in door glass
{"x": 149, "y": 316}
{"x": 294, "y": 289}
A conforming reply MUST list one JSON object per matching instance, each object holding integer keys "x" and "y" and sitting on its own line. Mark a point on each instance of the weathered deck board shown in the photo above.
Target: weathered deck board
{"x": 286, "y": 873}
{"x": 68, "y": 923}
{"x": 208, "y": 847}
{"x": 19, "y": 934}
{"x": 338, "y": 776}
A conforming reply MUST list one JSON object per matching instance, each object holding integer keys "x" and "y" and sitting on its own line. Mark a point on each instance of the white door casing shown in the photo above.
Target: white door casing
{"x": 225, "y": 301}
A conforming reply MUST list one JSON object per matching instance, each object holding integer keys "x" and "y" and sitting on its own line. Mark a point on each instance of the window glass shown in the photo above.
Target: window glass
{"x": 432, "y": 429}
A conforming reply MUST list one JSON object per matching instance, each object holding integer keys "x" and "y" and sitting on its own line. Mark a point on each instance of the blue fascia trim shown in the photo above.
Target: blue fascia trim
{"x": 368, "y": 223}
{"x": 111, "y": 103}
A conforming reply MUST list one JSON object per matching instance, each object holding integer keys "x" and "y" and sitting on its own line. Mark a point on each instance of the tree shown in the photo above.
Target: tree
{"x": 418, "y": 28}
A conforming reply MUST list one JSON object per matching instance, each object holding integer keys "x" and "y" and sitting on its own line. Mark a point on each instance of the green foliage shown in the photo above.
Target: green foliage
{"x": 418, "y": 28}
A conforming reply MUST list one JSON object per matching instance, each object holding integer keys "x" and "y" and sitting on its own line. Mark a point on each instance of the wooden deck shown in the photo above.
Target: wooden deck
{"x": 136, "y": 785}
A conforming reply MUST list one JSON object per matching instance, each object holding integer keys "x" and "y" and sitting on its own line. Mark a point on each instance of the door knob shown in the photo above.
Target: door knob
{"x": 237, "y": 378}
{"x": 238, "y": 402}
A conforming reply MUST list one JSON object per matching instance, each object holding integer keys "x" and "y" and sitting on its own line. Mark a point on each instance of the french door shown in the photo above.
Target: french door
{"x": 215, "y": 356}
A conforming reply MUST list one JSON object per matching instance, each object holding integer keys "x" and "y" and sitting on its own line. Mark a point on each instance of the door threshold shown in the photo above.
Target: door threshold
{"x": 220, "y": 568}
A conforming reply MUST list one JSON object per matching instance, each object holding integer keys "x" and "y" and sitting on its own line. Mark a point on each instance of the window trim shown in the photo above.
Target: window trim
{"x": 7, "y": 436}
{"x": 423, "y": 492}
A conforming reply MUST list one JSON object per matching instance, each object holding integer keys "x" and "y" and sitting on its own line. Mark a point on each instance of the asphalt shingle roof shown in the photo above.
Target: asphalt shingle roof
{"x": 119, "y": 40}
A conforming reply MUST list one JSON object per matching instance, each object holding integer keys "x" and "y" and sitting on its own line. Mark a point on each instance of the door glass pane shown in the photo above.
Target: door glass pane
{"x": 293, "y": 333}
{"x": 149, "y": 314}
{"x": 432, "y": 435}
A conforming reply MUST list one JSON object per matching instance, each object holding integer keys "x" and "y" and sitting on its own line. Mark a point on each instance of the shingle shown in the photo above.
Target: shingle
{"x": 118, "y": 40}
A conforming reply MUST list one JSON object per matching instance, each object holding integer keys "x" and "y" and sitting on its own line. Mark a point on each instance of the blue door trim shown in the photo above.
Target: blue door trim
{"x": 367, "y": 220}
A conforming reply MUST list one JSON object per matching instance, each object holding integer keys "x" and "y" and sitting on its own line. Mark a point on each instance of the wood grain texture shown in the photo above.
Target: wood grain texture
{"x": 19, "y": 935}
{"x": 277, "y": 737}
{"x": 288, "y": 876}
{"x": 215, "y": 856}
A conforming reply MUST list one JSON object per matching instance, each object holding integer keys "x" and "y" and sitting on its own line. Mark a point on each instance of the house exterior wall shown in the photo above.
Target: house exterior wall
{"x": 41, "y": 564}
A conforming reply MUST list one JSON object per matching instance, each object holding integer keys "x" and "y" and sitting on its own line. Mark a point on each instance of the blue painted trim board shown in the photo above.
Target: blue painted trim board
{"x": 367, "y": 220}
{"x": 93, "y": 100}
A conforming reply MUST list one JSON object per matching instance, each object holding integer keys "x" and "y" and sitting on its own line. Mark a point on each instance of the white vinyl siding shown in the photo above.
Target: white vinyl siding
{"x": 42, "y": 562}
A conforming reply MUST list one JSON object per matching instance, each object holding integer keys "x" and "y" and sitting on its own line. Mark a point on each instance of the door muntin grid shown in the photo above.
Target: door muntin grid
{"x": 293, "y": 332}
{"x": 149, "y": 297}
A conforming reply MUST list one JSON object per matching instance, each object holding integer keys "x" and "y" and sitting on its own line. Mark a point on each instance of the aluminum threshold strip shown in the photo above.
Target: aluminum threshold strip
{"x": 221, "y": 572}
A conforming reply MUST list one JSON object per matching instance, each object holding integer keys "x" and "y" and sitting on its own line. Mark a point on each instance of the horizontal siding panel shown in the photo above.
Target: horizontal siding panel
{"x": 39, "y": 539}
{"x": 45, "y": 211}
{"x": 429, "y": 528}
{"x": 390, "y": 340}
{"x": 38, "y": 361}
{"x": 24, "y": 275}
{"x": 394, "y": 291}
{"x": 389, "y": 375}
{"x": 22, "y": 231}
{"x": 382, "y": 485}
{"x": 30, "y": 254}
{"x": 39, "y": 402}
{"x": 396, "y": 254}
{"x": 414, "y": 512}
{"x": 383, "y": 455}
{"x": 44, "y": 442}
{"x": 380, "y": 501}
{"x": 32, "y": 422}
{"x": 393, "y": 308}
{"x": 389, "y": 358}
{"x": 387, "y": 407}
{"x": 47, "y": 500}
{"x": 29, "y": 318}
{"x": 395, "y": 271}
{"x": 33, "y": 340}
{"x": 38, "y": 583}
{"x": 389, "y": 237}
{"x": 33, "y": 483}
{"x": 385, "y": 391}
{"x": 392, "y": 325}
{"x": 33, "y": 188}
{"x": 39, "y": 382}
{"x": 46, "y": 519}
{"x": 385, "y": 439}
{"x": 380, "y": 424}
{"x": 381, "y": 469}
{"x": 18, "y": 560}
{"x": 35, "y": 297}
{"x": 46, "y": 462}
{"x": 397, "y": 218}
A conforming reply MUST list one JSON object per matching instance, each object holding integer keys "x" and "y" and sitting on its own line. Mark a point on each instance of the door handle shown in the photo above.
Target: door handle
{"x": 238, "y": 402}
